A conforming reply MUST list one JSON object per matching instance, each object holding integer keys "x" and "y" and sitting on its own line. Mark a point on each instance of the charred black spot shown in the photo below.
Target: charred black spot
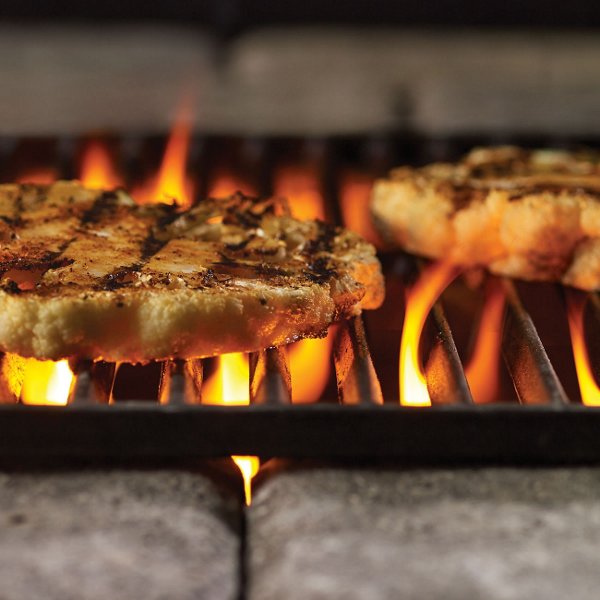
{"x": 461, "y": 195}
{"x": 324, "y": 241}
{"x": 105, "y": 203}
{"x": 239, "y": 246}
{"x": 13, "y": 222}
{"x": 49, "y": 260}
{"x": 151, "y": 246}
{"x": 553, "y": 189}
{"x": 123, "y": 277}
{"x": 243, "y": 218}
{"x": 11, "y": 287}
{"x": 270, "y": 270}
{"x": 320, "y": 271}
{"x": 209, "y": 278}
{"x": 169, "y": 213}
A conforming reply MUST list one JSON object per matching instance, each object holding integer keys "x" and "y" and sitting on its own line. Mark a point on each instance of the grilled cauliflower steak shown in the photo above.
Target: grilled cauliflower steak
{"x": 528, "y": 214}
{"x": 89, "y": 273}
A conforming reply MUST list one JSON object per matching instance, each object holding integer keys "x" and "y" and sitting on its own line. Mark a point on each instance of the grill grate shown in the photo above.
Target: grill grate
{"x": 539, "y": 424}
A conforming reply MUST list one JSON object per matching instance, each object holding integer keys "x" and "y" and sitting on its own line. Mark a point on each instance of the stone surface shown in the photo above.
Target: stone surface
{"x": 120, "y": 534}
{"x": 450, "y": 535}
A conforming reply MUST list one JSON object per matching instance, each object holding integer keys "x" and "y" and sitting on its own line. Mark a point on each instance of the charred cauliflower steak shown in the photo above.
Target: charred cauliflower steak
{"x": 528, "y": 214}
{"x": 89, "y": 273}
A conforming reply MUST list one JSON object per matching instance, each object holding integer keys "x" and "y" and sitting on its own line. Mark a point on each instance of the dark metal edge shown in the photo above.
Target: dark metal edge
{"x": 444, "y": 434}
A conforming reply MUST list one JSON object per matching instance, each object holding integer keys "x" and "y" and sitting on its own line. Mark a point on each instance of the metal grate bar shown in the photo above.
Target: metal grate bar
{"x": 103, "y": 379}
{"x": 446, "y": 381}
{"x": 357, "y": 380}
{"x": 532, "y": 373}
{"x": 83, "y": 391}
{"x": 270, "y": 380}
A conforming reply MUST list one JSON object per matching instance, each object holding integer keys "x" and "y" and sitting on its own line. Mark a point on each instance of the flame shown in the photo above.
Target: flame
{"x": 300, "y": 185}
{"x": 355, "y": 194}
{"x": 172, "y": 185}
{"x": 590, "y": 392}
{"x": 419, "y": 301}
{"x": 230, "y": 385}
{"x": 39, "y": 176}
{"x": 310, "y": 365}
{"x": 482, "y": 372}
{"x": 227, "y": 183}
{"x": 97, "y": 167}
{"x": 46, "y": 382}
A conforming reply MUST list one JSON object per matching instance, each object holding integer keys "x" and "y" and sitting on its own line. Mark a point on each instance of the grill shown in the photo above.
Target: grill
{"x": 111, "y": 415}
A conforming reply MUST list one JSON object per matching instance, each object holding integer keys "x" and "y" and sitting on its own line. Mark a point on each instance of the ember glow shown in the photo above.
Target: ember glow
{"x": 310, "y": 366}
{"x": 590, "y": 392}
{"x": 229, "y": 385}
{"x": 482, "y": 372}
{"x": 46, "y": 382}
{"x": 39, "y": 176}
{"x": 300, "y": 185}
{"x": 171, "y": 185}
{"x": 226, "y": 184}
{"x": 419, "y": 301}
{"x": 97, "y": 167}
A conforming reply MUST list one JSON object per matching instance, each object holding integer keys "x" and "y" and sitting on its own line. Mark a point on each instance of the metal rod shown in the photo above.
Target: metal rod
{"x": 82, "y": 392}
{"x": 446, "y": 381}
{"x": 11, "y": 378}
{"x": 194, "y": 376}
{"x": 357, "y": 380}
{"x": 532, "y": 373}
{"x": 103, "y": 378}
{"x": 270, "y": 380}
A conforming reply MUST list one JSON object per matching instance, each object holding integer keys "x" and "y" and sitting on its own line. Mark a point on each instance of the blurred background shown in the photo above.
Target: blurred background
{"x": 434, "y": 68}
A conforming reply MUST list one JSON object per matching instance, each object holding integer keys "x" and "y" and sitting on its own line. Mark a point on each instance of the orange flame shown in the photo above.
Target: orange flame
{"x": 172, "y": 185}
{"x": 482, "y": 372}
{"x": 97, "y": 167}
{"x": 310, "y": 366}
{"x": 300, "y": 185}
{"x": 227, "y": 184}
{"x": 230, "y": 385}
{"x": 355, "y": 194}
{"x": 590, "y": 392}
{"x": 419, "y": 301}
{"x": 39, "y": 176}
{"x": 46, "y": 382}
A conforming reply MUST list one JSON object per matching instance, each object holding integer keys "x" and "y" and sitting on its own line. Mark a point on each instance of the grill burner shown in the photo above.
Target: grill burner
{"x": 538, "y": 425}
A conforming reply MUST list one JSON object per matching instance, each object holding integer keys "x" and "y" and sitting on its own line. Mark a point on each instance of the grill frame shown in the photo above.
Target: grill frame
{"x": 439, "y": 435}
{"x": 545, "y": 429}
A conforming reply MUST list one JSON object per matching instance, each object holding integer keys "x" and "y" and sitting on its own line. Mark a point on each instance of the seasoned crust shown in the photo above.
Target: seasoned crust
{"x": 530, "y": 214}
{"x": 89, "y": 273}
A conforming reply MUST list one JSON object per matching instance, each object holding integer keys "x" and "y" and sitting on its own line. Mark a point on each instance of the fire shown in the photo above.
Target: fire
{"x": 172, "y": 185}
{"x": 419, "y": 301}
{"x": 39, "y": 176}
{"x": 590, "y": 392}
{"x": 300, "y": 185}
{"x": 230, "y": 385}
{"x": 310, "y": 365}
{"x": 482, "y": 371}
{"x": 97, "y": 167}
{"x": 227, "y": 183}
{"x": 354, "y": 201}
{"x": 46, "y": 382}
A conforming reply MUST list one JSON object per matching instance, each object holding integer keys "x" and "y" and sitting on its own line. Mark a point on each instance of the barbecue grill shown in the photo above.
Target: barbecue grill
{"x": 157, "y": 412}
